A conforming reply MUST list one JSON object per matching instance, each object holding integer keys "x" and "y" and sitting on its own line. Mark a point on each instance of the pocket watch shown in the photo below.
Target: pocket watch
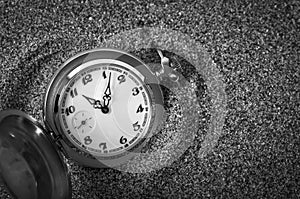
{"x": 99, "y": 109}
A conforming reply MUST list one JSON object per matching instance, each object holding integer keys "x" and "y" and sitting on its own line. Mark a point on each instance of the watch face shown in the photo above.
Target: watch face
{"x": 105, "y": 103}
{"x": 105, "y": 108}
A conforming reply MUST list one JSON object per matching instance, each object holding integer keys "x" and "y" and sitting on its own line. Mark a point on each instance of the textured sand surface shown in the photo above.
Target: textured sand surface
{"x": 256, "y": 48}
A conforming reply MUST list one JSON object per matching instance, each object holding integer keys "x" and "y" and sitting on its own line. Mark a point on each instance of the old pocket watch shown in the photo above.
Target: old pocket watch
{"x": 100, "y": 106}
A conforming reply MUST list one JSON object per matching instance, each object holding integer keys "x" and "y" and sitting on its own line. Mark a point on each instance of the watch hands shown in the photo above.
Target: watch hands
{"x": 90, "y": 100}
{"x": 95, "y": 103}
{"x": 107, "y": 93}
{"x": 83, "y": 122}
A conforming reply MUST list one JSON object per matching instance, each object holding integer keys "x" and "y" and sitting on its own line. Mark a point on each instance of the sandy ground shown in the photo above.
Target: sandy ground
{"x": 255, "y": 47}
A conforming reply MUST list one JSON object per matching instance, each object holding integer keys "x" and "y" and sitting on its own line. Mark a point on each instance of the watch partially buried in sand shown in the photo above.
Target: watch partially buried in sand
{"x": 99, "y": 110}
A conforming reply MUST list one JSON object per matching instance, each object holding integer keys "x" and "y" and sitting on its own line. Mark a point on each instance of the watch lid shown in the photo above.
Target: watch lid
{"x": 30, "y": 164}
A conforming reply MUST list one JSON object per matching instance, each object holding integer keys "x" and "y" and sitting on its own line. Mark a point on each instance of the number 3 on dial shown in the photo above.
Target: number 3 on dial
{"x": 135, "y": 91}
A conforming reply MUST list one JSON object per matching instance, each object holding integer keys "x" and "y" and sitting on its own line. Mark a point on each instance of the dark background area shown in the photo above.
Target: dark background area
{"x": 256, "y": 47}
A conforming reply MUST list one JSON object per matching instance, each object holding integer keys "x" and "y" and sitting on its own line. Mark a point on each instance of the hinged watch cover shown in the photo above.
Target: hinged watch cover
{"x": 30, "y": 165}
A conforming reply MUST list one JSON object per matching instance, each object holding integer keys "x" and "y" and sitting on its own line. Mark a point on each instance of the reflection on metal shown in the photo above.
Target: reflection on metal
{"x": 166, "y": 71}
{"x": 26, "y": 151}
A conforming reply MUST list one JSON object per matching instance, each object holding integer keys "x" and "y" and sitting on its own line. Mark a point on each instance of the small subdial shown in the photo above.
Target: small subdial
{"x": 83, "y": 122}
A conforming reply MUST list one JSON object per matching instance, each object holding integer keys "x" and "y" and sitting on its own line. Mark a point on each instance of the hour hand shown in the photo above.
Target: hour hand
{"x": 95, "y": 103}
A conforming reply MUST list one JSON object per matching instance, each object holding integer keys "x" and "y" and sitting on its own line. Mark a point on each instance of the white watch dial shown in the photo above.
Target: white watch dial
{"x": 105, "y": 109}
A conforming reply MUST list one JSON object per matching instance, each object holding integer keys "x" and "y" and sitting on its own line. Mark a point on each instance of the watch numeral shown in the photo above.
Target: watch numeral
{"x": 86, "y": 79}
{"x": 135, "y": 91}
{"x": 136, "y": 126}
{"x": 87, "y": 140}
{"x": 70, "y": 110}
{"x": 104, "y": 75}
{"x": 103, "y": 145}
{"x": 121, "y": 78}
{"x": 74, "y": 93}
{"x": 140, "y": 109}
{"x": 123, "y": 140}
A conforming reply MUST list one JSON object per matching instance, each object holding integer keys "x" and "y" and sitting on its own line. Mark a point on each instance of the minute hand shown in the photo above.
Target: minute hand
{"x": 107, "y": 92}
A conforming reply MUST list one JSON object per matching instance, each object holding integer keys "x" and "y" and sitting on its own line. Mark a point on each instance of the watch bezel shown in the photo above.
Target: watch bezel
{"x": 59, "y": 80}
